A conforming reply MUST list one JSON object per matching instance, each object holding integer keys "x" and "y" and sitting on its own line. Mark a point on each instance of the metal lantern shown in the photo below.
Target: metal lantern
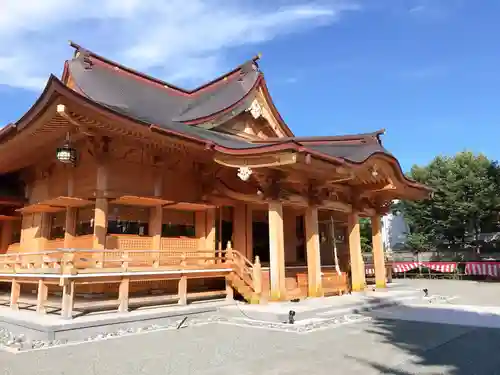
{"x": 66, "y": 154}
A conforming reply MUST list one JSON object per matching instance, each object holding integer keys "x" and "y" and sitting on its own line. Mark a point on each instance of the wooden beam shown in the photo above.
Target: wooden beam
{"x": 64, "y": 113}
{"x": 261, "y": 161}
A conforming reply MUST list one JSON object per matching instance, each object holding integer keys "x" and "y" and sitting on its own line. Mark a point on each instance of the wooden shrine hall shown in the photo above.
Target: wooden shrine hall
{"x": 117, "y": 184}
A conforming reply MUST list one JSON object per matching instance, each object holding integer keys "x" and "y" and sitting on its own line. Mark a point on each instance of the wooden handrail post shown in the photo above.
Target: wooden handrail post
{"x": 257, "y": 280}
{"x": 68, "y": 265}
{"x": 125, "y": 260}
{"x": 156, "y": 259}
{"x": 46, "y": 261}
{"x": 18, "y": 263}
{"x": 229, "y": 251}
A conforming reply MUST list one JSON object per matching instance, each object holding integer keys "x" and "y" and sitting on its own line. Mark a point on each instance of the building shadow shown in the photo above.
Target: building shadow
{"x": 436, "y": 340}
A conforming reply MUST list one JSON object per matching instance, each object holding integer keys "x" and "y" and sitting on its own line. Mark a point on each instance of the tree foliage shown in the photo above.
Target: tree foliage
{"x": 365, "y": 228}
{"x": 466, "y": 200}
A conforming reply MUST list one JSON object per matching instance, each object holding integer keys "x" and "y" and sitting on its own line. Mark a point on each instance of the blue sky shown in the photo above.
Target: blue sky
{"x": 428, "y": 71}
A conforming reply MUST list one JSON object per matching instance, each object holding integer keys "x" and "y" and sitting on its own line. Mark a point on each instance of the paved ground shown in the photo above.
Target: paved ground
{"x": 380, "y": 346}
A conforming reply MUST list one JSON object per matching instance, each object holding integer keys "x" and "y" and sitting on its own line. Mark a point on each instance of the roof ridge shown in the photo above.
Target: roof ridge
{"x": 79, "y": 48}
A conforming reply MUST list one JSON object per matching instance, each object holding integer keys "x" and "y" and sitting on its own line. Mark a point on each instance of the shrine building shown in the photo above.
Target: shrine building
{"x": 119, "y": 184}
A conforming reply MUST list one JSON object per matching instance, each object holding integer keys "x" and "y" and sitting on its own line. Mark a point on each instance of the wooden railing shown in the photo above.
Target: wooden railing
{"x": 88, "y": 261}
{"x": 67, "y": 267}
{"x": 248, "y": 273}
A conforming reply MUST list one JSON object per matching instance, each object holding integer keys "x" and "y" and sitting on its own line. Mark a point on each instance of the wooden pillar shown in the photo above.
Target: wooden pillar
{"x": 123, "y": 294}
{"x": 229, "y": 291}
{"x": 210, "y": 228}
{"x": 41, "y": 299}
{"x": 313, "y": 252}
{"x": 249, "y": 232}
{"x": 70, "y": 227}
{"x": 6, "y": 236}
{"x": 200, "y": 228}
{"x": 15, "y": 293}
{"x": 276, "y": 251}
{"x": 182, "y": 290}
{"x": 155, "y": 226}
{"x": 68, "y": 299}
{"x": 357, "y": 265}
{"x": 100, "y": 223}
{"x": 378, "y": 252}
{"x": 239, "y": 228}
{"x": 44, "y": 223}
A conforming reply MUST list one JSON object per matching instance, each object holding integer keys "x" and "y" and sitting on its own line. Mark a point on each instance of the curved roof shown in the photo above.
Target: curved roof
{"x": 170, "y": 111}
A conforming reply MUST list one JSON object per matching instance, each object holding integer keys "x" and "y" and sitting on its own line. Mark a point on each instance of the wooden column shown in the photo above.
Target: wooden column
{"x": 378, "y": 252}
{"x": 156, "y": 214}
{"x": 70, "y": 227}
{"x": 155, "y": 226}
{"x": 123, "y": 294}
{"x": 356, "y": 258}
{"x": 41, "y": 299}
{"x": 182, "y": 290}
{"x": 15, "y": 293}
{"x": 210, "y": 227}
{"x": 313, "y": 252}
{"x": 239, "y": 228}
{"x": 44, "y": 222}
{"x": 276, "y": 251}
{"x": 200, "y": 228}
{"x": 249, "y": 232}
{"x": 68, "y": 299}
{"x": 6, "y": 235}
{"x": 101, "y": 209}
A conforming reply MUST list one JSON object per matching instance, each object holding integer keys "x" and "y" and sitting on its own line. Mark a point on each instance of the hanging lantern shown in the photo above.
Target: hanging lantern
{"x": 66, "y": 154}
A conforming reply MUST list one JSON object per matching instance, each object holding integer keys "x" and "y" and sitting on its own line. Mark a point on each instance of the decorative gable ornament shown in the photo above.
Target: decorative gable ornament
{"x": 255, "y": 109}
{"x": 244, "y": 173}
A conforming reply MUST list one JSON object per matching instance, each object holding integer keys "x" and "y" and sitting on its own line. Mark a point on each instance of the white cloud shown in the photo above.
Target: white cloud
{"x": 180, "y": 40}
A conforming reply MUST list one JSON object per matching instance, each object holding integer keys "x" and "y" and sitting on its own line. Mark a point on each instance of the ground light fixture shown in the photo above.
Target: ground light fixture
{"x": 66, "y": 154}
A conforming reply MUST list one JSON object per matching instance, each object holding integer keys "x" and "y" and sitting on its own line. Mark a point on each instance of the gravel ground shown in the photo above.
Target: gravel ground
{"x": 377, "y": 347}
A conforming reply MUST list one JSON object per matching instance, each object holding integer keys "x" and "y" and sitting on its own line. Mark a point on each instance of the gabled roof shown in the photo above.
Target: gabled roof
{"x": 127, "y": 90}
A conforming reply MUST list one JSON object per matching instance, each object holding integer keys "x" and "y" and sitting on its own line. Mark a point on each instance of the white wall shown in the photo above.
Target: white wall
{"x": 394, "y": 230}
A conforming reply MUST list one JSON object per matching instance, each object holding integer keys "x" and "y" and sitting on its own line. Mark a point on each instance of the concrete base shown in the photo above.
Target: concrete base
{"x": 326, "y": 307}
{"x": 49, "y": 327}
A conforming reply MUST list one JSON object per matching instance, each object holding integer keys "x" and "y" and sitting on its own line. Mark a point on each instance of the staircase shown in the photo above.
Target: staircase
{"x": 245, "y": 278}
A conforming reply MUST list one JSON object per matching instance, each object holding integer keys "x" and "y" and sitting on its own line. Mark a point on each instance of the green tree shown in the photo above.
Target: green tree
{"x": 365, "y": 228}
{"x": 465, "y": 201}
